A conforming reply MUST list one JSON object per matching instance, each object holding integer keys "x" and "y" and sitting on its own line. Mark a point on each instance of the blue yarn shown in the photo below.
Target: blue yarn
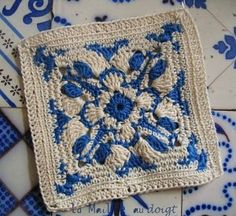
{"x": 66, "y": 189}
{"x": 75, "y": 178}
{"x": 157, "y": 70}
{"x": 181, "y": 79}
{"x": 80, "y": 144}
{"x": 61, "y": 120}
{"x": 140, "y": 201}
{"x": 72, "y": 179}
{"x": 176, "y": 46}
{"x": 107, "y": 72}
{"x": 102, "y": 153}
{"x": 175, "y": 93}
{"x": 192, "y": 150}
{"x": 71, "y": 90}
{"x": 136, "y": 60}
{"x": 169, "y": 29}
{"x": 143, "y": 122}
{"x": 184, "y": 107}
{"x": 164, "y": 38}
{"x": 156, "y": 144}
{"x": 167, "y": 123}
{"x": 152, "y": 37}
{"x": 62, "y": 168}
{"x": 48, "y": 62}
{"x": 92, "y": 89}
{"x": 134, "y": 161}
{"x": 107, "y": 51}
{"x": 137, "y": 82}
{"x": 119, "y": 107}
{"x": 96, "y": 141}
{"x": 202, "y": 161}
{"x": 60, "y": 52}
{"x": 122, "y": 209}
{"x": 112, "y": 208}
{"x": 83, "y": 69}
{"x": 193, "y": 155}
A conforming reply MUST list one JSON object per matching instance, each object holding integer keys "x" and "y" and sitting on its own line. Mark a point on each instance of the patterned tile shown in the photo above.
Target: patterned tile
{"x": 9, "y": 135}
{"x": 33, "y": 203}
{"x": 20, "y": 177}
{"x": 18, "y": 117}
{"x": 222, "y": 91}
{"x": 18, "y": 19}
{"x": 217, "y": 198}
{"x": 227, "y": 47}
{"x": 225, "y": 13}
{"x": 8, "y": 201}
{"x": 18, "y": 212}
{"x": 105, "y": 10}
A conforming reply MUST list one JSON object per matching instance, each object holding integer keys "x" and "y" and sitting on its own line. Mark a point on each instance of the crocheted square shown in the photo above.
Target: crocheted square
{"x": 118, "y": 108}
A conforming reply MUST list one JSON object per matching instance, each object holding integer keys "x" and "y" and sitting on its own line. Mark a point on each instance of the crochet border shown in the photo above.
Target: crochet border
{"x": 199, "y": 103}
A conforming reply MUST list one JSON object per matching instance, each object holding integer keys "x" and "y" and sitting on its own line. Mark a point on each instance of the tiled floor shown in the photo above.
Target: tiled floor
{"x": 19, "y": 190}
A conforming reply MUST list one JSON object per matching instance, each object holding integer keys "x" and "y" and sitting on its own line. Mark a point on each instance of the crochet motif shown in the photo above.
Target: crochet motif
{"x": 118, "y": 108}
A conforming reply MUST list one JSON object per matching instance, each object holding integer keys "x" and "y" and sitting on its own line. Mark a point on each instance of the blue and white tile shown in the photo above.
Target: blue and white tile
{"x": 218, "y": 197}
{"x": 18, "y": 175}
{"x": 224, "y": 12}
{"x": 18, "y": 19}
{"x": 83, "y": 11}
{"x": 222, "y": 90}
{"x": 8, "y": 201}
{"x": 18, "y": 170}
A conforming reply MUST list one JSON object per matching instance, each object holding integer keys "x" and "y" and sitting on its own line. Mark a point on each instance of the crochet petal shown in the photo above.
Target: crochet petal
{"x": 118, "y": 157}
{"x": 126, "y": 132}
{"x": 113, "y": 81}
{"x": 144, "y": 100}
{"x": 93, "y": 113}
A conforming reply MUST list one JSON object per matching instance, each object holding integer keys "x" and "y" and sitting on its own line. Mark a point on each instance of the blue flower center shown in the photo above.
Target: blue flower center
{"x": 119, "y": 107}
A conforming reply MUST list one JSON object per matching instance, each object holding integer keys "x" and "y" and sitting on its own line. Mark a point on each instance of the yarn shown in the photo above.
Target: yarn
{"x": 118, "y": 109}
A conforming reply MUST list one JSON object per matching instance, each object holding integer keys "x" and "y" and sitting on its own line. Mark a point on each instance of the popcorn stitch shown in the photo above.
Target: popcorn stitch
{"x": 120, "y": 111}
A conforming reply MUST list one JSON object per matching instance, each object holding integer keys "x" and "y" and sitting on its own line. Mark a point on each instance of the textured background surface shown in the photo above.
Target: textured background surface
{"x": 216, "y": 21}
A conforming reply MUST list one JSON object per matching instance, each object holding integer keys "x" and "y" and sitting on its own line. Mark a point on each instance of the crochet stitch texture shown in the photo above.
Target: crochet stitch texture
{"x": 118, "y": 108}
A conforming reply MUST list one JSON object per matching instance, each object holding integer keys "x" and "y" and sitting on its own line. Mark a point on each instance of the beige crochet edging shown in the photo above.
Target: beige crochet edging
{"x": 36, "y": 97}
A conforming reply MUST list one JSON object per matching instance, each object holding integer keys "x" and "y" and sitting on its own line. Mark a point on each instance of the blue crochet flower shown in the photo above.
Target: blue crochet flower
{"x": 124, "y": 109}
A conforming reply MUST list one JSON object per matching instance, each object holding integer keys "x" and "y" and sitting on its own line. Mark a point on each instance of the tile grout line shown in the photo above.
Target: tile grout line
{"x": 13, "y": 195}
{"x": 221, "y": 23}
{"x": 219, "y": 75}
{"x": 19, "y": 134}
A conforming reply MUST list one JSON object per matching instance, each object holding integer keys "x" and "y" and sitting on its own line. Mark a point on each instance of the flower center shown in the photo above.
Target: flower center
{"x": 119, "y": 107}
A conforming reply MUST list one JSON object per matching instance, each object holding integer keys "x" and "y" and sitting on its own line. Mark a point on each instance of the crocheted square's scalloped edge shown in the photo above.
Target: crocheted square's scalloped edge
{"x": 199, "y": 106}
